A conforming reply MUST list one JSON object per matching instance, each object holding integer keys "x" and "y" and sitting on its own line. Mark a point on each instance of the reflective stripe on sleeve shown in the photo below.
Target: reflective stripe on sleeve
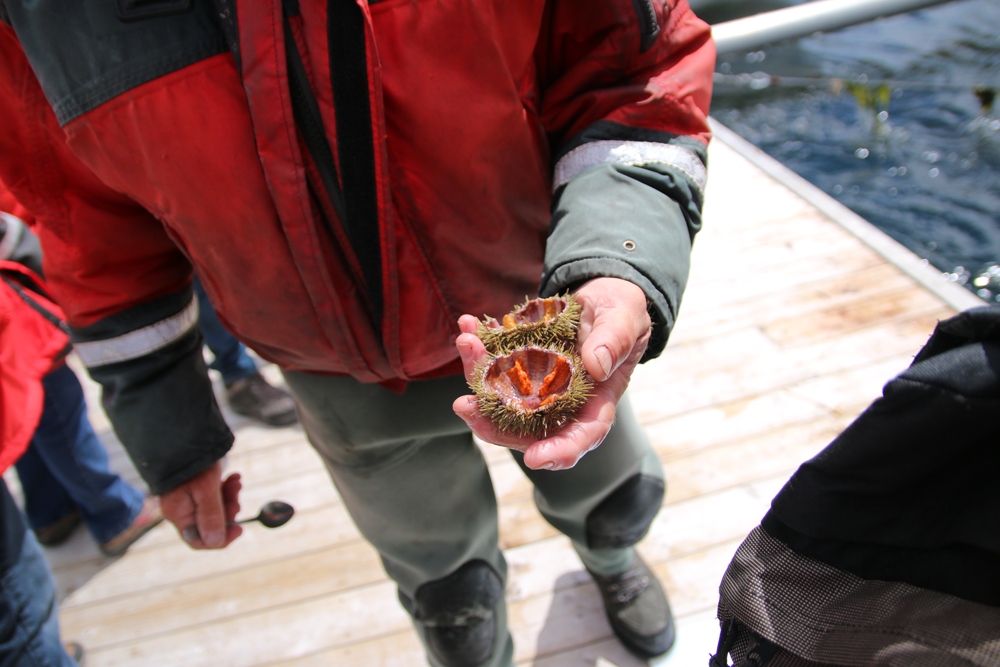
{"x": 635, "y": 153}
{"x": 140, "y": 342}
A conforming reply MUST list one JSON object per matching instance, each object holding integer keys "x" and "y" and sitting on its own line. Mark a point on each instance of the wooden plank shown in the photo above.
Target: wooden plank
{"x": 263, "y": 637}
{"x": 686, "y": 525}
{"x": 251, "y": 436}
{"x": 849, "y": 392}
{"x": 606, "y": 653}
{"x": 509, "y": 482}
{"x": 173, "y": 563}
{"x": 806, "y": 298}
{"x": 689, "y": 526}
{"x": 224, "y": 595}
{"x": 521, "y": 523}
{"x": 860, "y": 313}
{"x": 338, "y": 621}
{"x": 286, "y": 460}
{"x": 785, "y": 280}
{"x": 725, "y": 422}
{"x": 401, "y": 649}
{"x": 754, "y": 459}
{"x": 747, "y": 363}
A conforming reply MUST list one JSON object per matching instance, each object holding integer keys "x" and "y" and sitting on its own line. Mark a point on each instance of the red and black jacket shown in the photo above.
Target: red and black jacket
{"x": 347, "y": 178}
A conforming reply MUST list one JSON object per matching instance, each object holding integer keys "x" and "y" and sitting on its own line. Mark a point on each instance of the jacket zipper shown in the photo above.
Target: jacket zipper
{"x": 648, "y": 28}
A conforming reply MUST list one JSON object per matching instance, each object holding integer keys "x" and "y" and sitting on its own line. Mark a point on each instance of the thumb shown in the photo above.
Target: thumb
{"x": 609, "y": 343}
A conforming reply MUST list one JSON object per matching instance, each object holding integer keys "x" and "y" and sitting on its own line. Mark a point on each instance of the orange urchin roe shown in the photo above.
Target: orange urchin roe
{"x": 509, "y": 322}
{"x": 551, "y": 310}
{"x": 519, "y": 378}
{"x": 556, "y": 379}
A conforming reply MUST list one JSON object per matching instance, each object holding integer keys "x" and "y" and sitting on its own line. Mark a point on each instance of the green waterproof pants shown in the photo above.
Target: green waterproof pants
{"x": 418, "y": 488}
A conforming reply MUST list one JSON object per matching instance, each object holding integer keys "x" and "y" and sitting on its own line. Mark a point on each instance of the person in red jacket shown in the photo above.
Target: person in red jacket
{"x": 350, "y": 180}
{"x": 31, "y": 347}
{"x": 64, "y": 473}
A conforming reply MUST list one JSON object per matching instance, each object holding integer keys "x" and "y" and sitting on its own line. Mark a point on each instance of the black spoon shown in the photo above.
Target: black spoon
{"x": 272, "y": 514}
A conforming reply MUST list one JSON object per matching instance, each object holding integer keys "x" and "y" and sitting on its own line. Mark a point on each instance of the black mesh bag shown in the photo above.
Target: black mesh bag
{"x": 884, "y": 549}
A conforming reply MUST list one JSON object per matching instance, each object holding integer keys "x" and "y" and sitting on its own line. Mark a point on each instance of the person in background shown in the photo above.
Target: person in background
{"x": 32, "y": 346}
{"x": 65, "y": 476}
{"x": 66, "y": 479}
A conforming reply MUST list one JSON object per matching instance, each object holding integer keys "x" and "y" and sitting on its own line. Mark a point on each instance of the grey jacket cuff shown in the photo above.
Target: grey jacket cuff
{"x": 19, "y": 244}
{"x": 631, "y": 222}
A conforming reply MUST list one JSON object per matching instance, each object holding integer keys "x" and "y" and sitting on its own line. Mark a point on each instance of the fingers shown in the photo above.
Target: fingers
{"x": 564, "y": 449}
{"x": 204, "y": 507}
{"x": 193, "y": 538}
{"x": 613, "y": 334}
{"x": 468, "y": 324}
{"x": 560, "y": 450}
{"x": 465, "y": 407}
{"x": 231, "y": 496}
{"x": 470, "y": 348}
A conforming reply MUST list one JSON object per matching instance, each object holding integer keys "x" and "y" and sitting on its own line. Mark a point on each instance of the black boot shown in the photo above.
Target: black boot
{"x": 637, "y": 609}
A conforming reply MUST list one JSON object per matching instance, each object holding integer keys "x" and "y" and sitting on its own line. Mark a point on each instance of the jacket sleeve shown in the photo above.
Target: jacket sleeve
{"x": 124, "y": 286}
{"x": 626, "y": 90}
{"x": 156, "y": 391}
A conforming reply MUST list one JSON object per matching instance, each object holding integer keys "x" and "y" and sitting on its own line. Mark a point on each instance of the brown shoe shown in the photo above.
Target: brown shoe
{"x": 75, "y": 651}
{"x": 58, "y": 531}
{"x": 149, "y": 516}
{"x": 256, "y": 398}
{"x": 638, "y": 609}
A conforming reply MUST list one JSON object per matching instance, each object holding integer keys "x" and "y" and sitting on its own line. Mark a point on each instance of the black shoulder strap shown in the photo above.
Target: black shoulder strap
{"x": 310, "y": 123}
{"x": 356, "y": 202}
{"x": 355, "y": 141}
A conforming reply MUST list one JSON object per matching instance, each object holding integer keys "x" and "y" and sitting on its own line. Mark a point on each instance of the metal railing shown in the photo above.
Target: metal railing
{"x": 753, "y": 32}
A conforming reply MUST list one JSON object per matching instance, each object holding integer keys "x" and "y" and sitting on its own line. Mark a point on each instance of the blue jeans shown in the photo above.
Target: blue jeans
{"x": 66, "y": 466}
{"x": 29, "y": 626}
{"x": 231, "y": 358}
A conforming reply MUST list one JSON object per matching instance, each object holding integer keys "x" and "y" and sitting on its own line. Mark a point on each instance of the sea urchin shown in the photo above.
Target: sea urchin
{"x": 531, "y": 390}
{"x": 548, "y": 322}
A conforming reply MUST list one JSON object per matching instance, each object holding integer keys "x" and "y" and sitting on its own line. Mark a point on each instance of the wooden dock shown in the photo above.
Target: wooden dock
{"x": 790, "y": 326}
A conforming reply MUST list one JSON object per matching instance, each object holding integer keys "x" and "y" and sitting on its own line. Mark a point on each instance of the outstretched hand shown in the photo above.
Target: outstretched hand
{"x": 614, "y": 331}
{"x": 204, "y": 508}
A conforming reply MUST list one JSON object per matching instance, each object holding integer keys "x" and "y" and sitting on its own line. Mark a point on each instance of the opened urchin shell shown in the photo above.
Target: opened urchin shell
{"x": 531, "y": 390}
{"x": 551, "y": 322}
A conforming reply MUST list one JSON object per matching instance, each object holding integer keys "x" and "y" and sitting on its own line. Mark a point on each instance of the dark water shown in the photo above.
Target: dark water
{"x": 894, "y": 119}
